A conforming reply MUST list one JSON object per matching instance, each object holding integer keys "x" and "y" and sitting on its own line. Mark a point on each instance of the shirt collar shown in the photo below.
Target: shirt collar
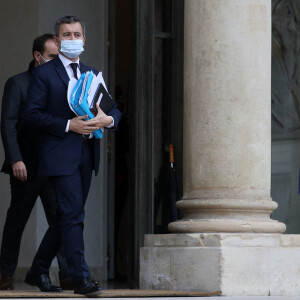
{"x": 66, "y": 61}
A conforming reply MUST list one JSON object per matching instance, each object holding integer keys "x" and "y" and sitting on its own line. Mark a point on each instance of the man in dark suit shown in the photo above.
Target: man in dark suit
{"x": 20, "y": 147}
{"x": 67, "y": 153}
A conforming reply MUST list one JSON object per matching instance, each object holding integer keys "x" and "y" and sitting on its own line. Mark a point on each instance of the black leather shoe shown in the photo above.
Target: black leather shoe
{"x": 68, "y": 283}
{"x": 6, "y": 283}
{"x": 43, "y": 282}
{"x": 87, "y": 288}
{"x": 95, "y": 282}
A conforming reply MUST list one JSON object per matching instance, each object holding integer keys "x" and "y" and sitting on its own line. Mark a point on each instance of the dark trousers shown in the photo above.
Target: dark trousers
{"x": 71, "y": 192}
{"x": 23, "y": 198}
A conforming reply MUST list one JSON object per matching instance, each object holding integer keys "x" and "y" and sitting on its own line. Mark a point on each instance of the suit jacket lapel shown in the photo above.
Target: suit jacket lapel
{"x": 61, "y": 71}
{"x": 83, "y": 68}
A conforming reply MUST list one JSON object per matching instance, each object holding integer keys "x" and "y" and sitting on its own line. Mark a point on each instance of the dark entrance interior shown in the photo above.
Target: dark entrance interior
{"x": 146, "y": 73}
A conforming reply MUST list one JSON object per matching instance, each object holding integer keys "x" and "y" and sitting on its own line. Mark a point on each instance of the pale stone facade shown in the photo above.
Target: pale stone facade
{"x": 226, "y": 240}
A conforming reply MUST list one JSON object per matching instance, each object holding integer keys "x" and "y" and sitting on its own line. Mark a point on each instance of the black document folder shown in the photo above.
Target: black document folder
{"x": 106, "y": 102}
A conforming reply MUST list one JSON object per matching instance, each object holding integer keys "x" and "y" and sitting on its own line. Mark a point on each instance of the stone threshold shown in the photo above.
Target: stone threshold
{"x": 121, "y": 293}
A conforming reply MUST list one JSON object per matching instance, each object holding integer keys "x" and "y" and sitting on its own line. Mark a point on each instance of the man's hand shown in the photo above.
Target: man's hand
{"x": 80, "y": 126}
{"x": 19, "y": 170}
{"x": 101, "y": 120}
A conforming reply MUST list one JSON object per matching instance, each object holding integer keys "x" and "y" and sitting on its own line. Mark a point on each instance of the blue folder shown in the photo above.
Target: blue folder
{"x": 83, "y": 107}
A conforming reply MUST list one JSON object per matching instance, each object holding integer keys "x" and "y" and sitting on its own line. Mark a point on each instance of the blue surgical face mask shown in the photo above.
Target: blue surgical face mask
{"x": 71, "y": 48}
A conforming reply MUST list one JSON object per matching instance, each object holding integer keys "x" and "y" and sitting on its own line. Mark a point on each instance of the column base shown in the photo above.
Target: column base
{"x": 234, "y": 264}
{"x": 227, "y": 215}
{"x": 225, "y": 225}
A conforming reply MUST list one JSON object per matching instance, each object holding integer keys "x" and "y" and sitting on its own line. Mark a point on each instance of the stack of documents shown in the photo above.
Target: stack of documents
{"x": 84, "y": 93}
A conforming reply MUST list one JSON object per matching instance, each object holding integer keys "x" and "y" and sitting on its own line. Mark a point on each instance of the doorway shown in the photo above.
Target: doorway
{"x": 146, "y": 64}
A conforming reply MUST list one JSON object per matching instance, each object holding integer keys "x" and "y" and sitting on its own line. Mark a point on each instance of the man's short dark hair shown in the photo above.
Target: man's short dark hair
{"x": 40, "y": 41}
{"x": 67, "y": 20}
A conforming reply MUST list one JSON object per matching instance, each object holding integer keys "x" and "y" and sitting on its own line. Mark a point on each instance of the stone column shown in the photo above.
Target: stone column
{"x": 227, "y": 118}
{"x": 226, "y": 242}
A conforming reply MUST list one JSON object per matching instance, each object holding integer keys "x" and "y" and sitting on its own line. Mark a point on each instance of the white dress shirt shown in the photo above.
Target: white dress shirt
{"x": 66, "y": 62}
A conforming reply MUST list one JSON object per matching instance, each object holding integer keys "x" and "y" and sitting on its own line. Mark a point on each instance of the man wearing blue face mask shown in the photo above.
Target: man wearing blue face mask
{"x": 68, "y": 153}
{"x": 19, "y": 141}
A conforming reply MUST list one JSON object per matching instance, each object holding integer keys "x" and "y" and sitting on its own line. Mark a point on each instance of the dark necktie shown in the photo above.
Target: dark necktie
{"x": 74, "y": 68}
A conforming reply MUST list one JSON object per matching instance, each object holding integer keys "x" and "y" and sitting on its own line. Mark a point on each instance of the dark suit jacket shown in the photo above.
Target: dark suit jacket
{"x": 47, "y": 108}
{"x": 19, "y": 139}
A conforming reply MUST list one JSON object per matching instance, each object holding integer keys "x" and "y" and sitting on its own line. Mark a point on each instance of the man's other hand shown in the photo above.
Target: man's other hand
{"x": 80, "y": 126}
{"x": 19, "y": 170}
{"x": 101, "y": 120}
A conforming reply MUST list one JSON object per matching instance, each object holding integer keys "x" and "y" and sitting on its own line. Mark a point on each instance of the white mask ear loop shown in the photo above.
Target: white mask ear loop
{"x": 45, "y": 60}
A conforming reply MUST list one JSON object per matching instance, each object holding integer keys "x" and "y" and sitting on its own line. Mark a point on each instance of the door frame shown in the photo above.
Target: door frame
{"x": 141, "y": 186}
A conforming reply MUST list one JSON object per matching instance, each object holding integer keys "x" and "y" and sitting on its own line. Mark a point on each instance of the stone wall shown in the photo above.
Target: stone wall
{"x": 25, "y": 20}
